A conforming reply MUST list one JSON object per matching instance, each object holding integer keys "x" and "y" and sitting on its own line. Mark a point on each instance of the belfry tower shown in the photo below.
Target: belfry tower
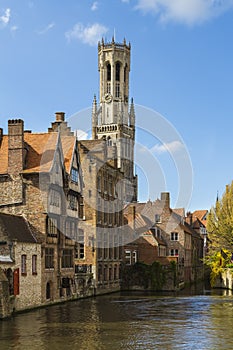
{"x": 113, "y": 119}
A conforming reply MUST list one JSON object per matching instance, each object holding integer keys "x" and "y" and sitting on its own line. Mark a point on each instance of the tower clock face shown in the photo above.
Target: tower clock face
{"x": 108, "y": 98}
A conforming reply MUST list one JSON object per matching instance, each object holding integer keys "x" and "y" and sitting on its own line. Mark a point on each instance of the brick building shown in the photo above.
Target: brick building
{"x": 20, "y": 260}
{"x": 40, "y": 178}
{"x": 103, "y": 208}
{"x": 183, "y": 243}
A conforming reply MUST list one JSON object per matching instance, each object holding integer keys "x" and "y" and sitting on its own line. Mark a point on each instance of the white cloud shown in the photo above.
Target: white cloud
{"x": 46, "y": 29}
{"x": 94, "y": 6}
{"x": 185, "y": 11}
{"x": 171, "y": 147}
{"x": 5, "y": 18}
{"x": 88, "y": 35}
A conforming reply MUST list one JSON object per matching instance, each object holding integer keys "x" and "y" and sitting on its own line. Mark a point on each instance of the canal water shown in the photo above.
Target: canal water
{"x": 126, "y": 321}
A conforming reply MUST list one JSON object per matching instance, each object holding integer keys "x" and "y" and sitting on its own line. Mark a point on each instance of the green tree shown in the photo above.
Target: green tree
{"x": 220, "y": 223}
{"x": 220, "y": 232}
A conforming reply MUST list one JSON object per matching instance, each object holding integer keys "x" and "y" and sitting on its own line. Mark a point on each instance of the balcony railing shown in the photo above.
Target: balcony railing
{"x": 83, "y": 268}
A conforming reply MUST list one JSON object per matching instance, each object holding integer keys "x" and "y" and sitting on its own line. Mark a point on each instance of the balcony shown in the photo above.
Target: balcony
{"x": 79, "y": 269}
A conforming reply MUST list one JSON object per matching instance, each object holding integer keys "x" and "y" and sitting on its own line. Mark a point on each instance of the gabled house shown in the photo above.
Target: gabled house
{"x": 182, "y": 243}
{"x": 198, "y": 221}
{"x": 145, "y": 242}
{"x": 20, "y": 260}
{"x": 41, "y": 179}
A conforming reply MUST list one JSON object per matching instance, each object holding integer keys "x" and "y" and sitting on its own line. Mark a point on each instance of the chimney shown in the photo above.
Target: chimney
{"x": 60, "y": 125}
{"x": 190, "y": 218}
{"x": 165, "y": 198}
{"x": 60, "y": 116}
{"x": 15, "y": 146}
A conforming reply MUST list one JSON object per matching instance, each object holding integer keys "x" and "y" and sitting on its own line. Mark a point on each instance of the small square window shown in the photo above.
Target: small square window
{"x": 174, "y": 236}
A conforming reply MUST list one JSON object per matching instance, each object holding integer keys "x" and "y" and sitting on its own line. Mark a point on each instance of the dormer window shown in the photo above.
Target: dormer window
{"x": 157, "y": 218}
{"x": 74, "y": 175}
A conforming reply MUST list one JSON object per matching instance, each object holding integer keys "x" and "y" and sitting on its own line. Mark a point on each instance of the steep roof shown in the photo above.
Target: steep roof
{"x": 142, "y": 226}
{"x": 16, "y": 228}
{"x": 40, "y": 151}
{"x": 68, "y": 146}
{"x": 4, "y": 155}
{"x": 147, "y": 213}
{"x": 200, "y": 214}
{"x": 92, "y": 146}
{"x": 179, "y": 211}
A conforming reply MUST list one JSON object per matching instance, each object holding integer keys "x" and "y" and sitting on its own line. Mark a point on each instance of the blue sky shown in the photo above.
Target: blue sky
{"x": 181, "y": 67}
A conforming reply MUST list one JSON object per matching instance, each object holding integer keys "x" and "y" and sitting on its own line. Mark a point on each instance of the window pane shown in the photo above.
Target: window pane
{"x": 74, "y": 175}
{"x": 34, "y": 264}
{"x": 49, "y": 258}
{"x": 23, "y": 264}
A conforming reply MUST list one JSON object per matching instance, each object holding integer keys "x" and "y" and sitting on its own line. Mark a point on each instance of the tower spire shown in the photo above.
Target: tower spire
{"x": 132, "y": 114}
{"x": 94, "y": 117}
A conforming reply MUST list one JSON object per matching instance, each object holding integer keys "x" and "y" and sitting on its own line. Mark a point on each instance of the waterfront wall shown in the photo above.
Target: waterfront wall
{"x": 5, "y": 305}
{"x": 225, "y": 280}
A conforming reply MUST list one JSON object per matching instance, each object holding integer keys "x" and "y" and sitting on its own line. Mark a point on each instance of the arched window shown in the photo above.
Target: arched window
{"x": 108, "y": 72}
{"x": 125, "y": 73}
{"x": 118, "y": 68}
{"x": 109, "y": 141}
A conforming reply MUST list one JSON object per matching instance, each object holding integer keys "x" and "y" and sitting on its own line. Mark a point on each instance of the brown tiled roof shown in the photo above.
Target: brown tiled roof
{"x": 16, "y": 228}
{"x": 40, "y": 152}
{"x": 142, "y": 226}
{"x": 148, "y": 210}
{"x": 148, "y": 238}
{"x": 200, "y": 214}
{"x": 68, "y": 145}
{"x": 4, "y": 155}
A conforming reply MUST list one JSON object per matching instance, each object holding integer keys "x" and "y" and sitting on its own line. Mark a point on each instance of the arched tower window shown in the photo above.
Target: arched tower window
{"x": 125, "y": 73}
{"x": 108, "y": 72}
{"x": 109, "y": 141}
{"x": 118, "y": 69}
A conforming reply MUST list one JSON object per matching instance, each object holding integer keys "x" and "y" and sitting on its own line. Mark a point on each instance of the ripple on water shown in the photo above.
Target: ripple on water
{"x": 125, "y": 322}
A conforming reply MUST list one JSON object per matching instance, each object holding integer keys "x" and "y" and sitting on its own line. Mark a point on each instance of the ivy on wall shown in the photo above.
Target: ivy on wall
{"x": 145, "y": 276}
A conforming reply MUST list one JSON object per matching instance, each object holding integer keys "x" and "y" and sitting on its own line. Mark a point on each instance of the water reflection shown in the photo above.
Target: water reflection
{"x": 126, "y": 321}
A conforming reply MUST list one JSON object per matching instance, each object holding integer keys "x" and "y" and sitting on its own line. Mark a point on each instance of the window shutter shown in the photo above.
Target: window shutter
{"x": 16, "y": 282}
